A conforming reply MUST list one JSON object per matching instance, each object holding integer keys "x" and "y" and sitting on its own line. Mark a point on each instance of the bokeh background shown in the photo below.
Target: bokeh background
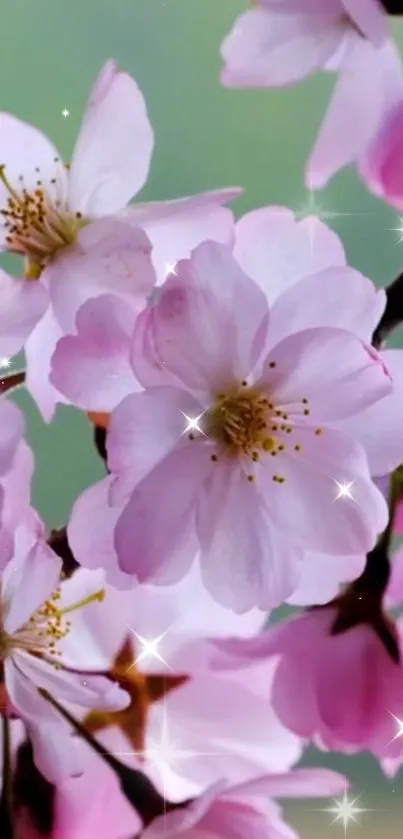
{"x": 206, "y": 137}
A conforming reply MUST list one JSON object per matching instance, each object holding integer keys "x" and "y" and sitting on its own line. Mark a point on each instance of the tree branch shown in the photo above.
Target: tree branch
{"x": 393, "y": 7}
{"x": 393, "y": 314}
{"x": 6, "y": 798}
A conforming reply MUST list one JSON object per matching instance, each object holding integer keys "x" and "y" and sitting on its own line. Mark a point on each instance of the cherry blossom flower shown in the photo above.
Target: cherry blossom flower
{"x": 188, "y": 724}
{"x": 72, "y": 225}
{"x": 209, "y": 328}
{"x": 280, "y": 43}
{"x": 37, "y": 638}
{"x": 93, "y": 368}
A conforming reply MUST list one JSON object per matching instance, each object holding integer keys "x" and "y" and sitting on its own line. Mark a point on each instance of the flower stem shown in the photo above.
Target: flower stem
{"x": 12, "y": 381}
{"x": 6, "y": 798}
{"x": 135, "y": 785}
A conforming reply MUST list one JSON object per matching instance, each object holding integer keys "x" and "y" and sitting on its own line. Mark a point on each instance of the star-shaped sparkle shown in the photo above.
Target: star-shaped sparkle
{"x": 193, "y": 424}
{"x": 149, "y": 648}
{"x": 5, "y": 362}
{"x": 345, "y": 811}
{"x": 399, "y": 230}
{"x": 313, "y": 212}
{"x": 344, "y": 490}
{"x": 170, "y": 268}
{"x": 399, "y": 723}
{"x": 65, "y": 113}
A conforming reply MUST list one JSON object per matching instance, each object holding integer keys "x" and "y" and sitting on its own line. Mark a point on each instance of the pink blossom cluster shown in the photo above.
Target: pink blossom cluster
{"x": 253, "y": 438}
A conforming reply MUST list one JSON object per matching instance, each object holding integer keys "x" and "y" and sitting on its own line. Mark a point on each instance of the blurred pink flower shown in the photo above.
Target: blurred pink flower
{"x": 280, "y": 43}
{"x": 39, "y": 649}
{"x": 343, "y": 690}
{"x": 225, "y": 812}
{"x": 381, "y": 165}
{"x": 74, "y": 229}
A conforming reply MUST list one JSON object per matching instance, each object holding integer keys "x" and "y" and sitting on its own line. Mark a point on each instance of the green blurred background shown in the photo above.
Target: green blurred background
{"x": 206, "y": 137}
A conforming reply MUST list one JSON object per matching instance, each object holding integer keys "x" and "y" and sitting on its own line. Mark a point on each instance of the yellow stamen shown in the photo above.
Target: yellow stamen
{"x": 92, "y": 598}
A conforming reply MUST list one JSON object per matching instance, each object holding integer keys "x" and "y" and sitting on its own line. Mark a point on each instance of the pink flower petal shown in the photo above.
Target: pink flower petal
{"x": 332, "y": 368}
{"x": 23, "y": 303}
{"x": 12, "y": 428}
{"x": 28, "y": 582}
{"x": 338, "y": 297}
{"x": 54, "y": 750}
{"x": 93, "y": 367}
{"x": 321, "y": 576}
{"x": 245, "y": 562}
{"x": 298, "y": 783}
{"x": 39, "y": 349}
{"x": 380, "y": 166}
{"x": 272, "y": 49}
{"x": 294, "y": 678}
{"x": 394, "y": 592}
{"x": 109, "y": 257}
{"x": 210, "y": 321}
{"x": 176, "y": 227}
{"x": 82, "y": 688}
{"x": 91, "y": 531}
{"x": 277, "y": 250}
{"x": 230, "y": 720}
{"x": 144, "y": 428}
{"x": 340, "y": 683}
{"x": 379, "y": 427}
{"x": 306, "y": 507}
{"x": 163, "y": 554}
{"x": 113, "y": 151}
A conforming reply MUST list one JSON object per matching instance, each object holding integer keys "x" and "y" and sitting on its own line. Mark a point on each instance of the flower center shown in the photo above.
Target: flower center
{"x": 48, "y": 625}
{"x": 37, "y": 227}
{"x": 245, "y": 422}
{"x": 241, "y": 421}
